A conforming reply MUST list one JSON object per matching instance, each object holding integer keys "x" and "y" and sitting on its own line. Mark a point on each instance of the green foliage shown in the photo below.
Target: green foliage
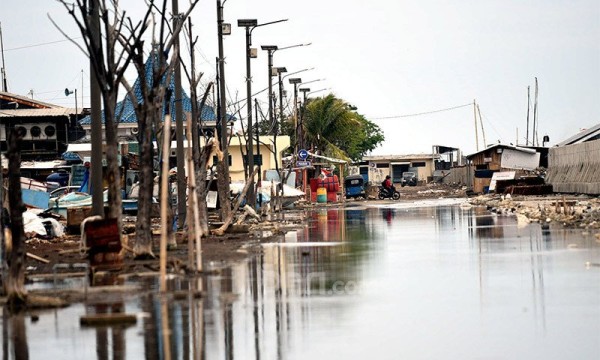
{"x": 333, "y": 126}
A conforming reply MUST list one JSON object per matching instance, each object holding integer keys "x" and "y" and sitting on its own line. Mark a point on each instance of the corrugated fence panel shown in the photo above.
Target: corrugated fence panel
{"x": 575, "y": 168}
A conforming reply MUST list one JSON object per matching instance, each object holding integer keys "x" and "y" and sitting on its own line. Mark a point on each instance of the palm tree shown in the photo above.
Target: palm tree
{"x": 328, "y": 124}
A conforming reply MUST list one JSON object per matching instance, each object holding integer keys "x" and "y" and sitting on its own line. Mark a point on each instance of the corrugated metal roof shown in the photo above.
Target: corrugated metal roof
{"x": 582, "y": 136}
{"x": 126, "y": 112}
{"x": 57, "y": 111}
{"x": 25, "y": 99}
{"x": 503, "y": 146}
{"x": 396, "y": 158}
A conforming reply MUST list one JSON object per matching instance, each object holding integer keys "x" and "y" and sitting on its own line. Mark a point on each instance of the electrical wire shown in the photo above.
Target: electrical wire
{"x": 421, "y": 113}
{"x": 41, "y": 44}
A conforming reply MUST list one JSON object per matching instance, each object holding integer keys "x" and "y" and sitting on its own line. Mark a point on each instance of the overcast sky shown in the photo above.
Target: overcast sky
{"x": 389, "y": 58}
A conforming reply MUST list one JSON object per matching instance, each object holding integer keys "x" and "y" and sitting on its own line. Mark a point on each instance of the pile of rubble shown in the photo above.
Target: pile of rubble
{"x": 572, "y": 211}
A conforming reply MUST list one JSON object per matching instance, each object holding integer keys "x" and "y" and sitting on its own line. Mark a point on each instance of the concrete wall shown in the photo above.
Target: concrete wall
{"x": 575, "y": 168}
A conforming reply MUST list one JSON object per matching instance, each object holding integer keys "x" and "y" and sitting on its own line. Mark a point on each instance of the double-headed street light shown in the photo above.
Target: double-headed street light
{"x": 250, "y": 25}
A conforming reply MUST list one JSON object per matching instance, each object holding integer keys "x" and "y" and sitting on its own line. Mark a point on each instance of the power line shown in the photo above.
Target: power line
{"x": 41, "y": 44}
{"x": 422, "y": 113}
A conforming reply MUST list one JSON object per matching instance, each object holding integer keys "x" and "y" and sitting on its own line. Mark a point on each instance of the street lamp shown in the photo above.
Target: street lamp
{"x": 250, "y": 25}
{"x": 270, "y": 49}
{"x": 316, "y": 91}
{"x": 302, "y": 111}
{"x": 295, "y": 82}
{"x": 280, "y": 70}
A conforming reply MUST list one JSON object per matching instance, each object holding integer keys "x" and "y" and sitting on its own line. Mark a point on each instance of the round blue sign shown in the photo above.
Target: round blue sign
{"x": 302, "y": 154}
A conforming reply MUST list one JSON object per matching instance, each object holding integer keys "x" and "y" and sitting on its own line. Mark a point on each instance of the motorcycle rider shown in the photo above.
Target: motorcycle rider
{"x": 387, "y": 186}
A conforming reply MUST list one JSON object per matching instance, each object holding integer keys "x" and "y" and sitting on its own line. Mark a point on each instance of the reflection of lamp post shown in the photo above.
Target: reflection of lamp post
{"x": 295, "y": 82}
{"x": 250, "y": 25}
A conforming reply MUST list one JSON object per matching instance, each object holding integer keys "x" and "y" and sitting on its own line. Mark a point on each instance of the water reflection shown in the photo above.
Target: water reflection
{"x": 376, "y": 280}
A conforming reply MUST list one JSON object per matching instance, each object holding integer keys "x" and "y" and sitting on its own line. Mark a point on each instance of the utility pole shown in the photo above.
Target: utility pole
{"x": 181, "y": 183}
{"x": 4, "y": 85}
{"x": 95, "y": 104}
{"x": 223, "y": 166}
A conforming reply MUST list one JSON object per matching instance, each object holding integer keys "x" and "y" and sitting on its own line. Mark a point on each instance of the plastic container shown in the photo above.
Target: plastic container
{"x": 321, "y": 195}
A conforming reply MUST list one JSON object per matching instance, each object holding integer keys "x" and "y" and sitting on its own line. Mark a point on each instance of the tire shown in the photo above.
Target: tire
{"x": 380, "y": 196}
{"x": 396, "y": 195}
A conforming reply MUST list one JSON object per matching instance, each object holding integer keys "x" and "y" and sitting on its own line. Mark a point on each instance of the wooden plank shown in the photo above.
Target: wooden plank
{"x": 38, "y": 258}
{"x": 108, "y": 319}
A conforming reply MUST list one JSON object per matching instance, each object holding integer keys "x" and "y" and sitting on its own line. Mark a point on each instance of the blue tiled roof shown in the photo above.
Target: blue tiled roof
{"x": 125, "y": 110}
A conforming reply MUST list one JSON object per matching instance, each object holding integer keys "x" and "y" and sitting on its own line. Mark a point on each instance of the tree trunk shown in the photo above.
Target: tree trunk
{"x": 223, "y": 184}
{"x": 143, "y": 232}
{"x": 115, "y": 207}
{"x": 200, "y": 163}
{"x": 15, "y": 257}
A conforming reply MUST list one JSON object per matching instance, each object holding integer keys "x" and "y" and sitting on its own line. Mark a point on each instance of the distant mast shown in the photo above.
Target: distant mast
{"x": 476, "y": 133}
{"x": 528, "y": 107}
{"x": 4, "y": 86}
{"x": 534, "y": 137}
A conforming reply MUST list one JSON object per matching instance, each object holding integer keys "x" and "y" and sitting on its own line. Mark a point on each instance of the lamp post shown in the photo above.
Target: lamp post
{"x": 223, "y": 166}
{"x": 316, "y": 91}
{"x": 270, "y": 51}
{"x": 302, "y": 111}
{"x": 295, "y": 82}
{"x": 280, "y": 70}
{"x": 250, "y": 25}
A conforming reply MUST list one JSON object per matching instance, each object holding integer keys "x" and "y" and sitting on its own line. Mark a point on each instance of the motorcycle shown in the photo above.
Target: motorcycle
{"x": 388, "y": 194}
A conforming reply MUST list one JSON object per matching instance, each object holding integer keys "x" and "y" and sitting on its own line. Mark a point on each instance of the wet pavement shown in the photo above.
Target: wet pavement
{"x": 391, "y": 282}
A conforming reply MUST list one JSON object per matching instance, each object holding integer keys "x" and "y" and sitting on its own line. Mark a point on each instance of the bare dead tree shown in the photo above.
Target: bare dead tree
{"x": 196, "y": 117}
{"x": 149, "y": 110}
{"x": 109, "y": 62}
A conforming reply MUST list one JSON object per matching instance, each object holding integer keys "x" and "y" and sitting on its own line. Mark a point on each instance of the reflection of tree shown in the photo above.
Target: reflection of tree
{"x": 18, "y": 336}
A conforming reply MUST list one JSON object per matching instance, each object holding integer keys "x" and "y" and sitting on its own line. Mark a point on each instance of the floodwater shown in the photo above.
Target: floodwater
{"x": 392, "y": 282}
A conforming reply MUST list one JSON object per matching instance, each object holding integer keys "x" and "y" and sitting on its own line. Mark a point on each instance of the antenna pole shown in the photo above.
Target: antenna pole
{"x": 535, "y": 119}
{"x": 4, "y": 86}
{"x": 482, "y": 130}
{"x": 476, "y": 132}
{"x": 528, "y": 107}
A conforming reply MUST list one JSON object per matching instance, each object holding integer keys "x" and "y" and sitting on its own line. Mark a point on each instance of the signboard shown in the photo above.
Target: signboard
{"x": 514, "y": 159}
{"x": 503, "y": 175}
{"x": 302, "y": 163}
{"x": 211, "y": 200}
{"x": 302, "y": 154}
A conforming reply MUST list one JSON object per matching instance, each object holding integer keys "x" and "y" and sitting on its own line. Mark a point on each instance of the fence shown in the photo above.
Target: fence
{"x": 575, "y": 168}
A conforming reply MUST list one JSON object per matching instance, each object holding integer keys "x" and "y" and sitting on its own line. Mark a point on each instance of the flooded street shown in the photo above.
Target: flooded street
{"x": 391, "y": 282}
